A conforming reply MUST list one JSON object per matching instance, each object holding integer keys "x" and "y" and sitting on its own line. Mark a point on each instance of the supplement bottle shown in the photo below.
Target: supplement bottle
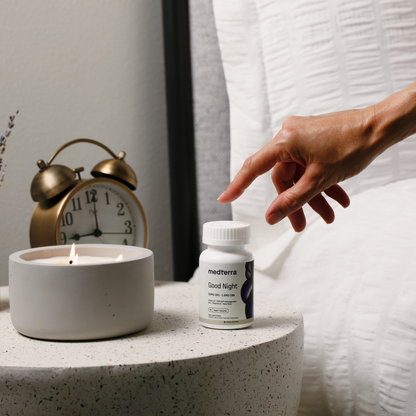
{"x": 226, "y": 276}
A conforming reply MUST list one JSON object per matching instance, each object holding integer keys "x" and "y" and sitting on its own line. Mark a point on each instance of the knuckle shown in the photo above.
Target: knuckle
{"x": 248, "y": 165}
{"x": 284, "y": 143}
{"x": 318, "y": 179}
{"x": 288, "y": 134}
{"x": 292, "y": 202}
{"x": 291, "y": 120}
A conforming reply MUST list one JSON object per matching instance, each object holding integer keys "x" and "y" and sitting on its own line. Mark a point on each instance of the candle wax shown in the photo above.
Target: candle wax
{"x": 81, "y": 260}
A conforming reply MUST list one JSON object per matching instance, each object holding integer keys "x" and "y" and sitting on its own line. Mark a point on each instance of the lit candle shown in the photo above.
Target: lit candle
{"x": 75, "y": 259}
{"x": 98, "y": 298}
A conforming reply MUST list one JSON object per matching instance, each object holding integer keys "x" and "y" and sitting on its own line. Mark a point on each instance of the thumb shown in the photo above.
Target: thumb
{"x": 290, "y": 201}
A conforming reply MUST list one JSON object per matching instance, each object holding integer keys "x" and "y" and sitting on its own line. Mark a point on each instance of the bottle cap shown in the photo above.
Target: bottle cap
{"x": 226, "y": 233}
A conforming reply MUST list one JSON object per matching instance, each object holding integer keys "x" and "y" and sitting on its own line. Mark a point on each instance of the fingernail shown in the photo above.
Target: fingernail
{"x": 274, "y": 218}
{"x": 220, "y": 196}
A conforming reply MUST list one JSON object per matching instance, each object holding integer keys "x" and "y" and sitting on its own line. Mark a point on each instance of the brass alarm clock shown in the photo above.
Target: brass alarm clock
{"x": 102, "y": 209}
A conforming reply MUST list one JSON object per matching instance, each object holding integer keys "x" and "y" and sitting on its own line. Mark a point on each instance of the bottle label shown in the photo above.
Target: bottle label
{"x": 226, "y": 293}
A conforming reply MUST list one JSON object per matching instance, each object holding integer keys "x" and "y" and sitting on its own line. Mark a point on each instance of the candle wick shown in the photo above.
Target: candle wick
{"x": 70, "y": 261}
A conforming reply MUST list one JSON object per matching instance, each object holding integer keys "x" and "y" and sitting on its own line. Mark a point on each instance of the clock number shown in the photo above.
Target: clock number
{"x": 93, "y": 193}
{"x": 107, "y": 198}
{"x": 129, "y": 230}
{"x": 120, "y": 205}
{"x": 76, "y": 204}
{"x": 67, "y": 219}
{"x": 125, "y": 241}
{"x": 63, "y": 238}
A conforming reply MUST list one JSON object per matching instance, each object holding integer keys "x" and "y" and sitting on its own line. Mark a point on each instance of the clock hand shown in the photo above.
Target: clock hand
{"x": 76, "y": 237}
{"x": 117, "y": 233}
{"x": 95, "y": 213}
{"x": 97, "y": 233}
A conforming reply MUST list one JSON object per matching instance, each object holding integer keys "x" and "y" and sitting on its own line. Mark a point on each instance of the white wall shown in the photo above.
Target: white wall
{"x": 90, "y": 69}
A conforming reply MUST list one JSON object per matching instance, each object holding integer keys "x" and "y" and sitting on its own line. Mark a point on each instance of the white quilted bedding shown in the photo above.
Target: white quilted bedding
{"x": 355, "y": 284}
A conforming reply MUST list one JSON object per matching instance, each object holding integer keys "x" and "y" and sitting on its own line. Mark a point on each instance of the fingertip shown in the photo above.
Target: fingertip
{"x": 299, "y": 229}
{"x": 226, "y": 197}
{"x": 338, "y": 194}
{"x": 274, "y": 218}
{"x": 347, "y": 202}
{"x": 344, "y": 201}
{"x": 328, "y": 216}
{"x": 230, "y": 194}
{"x": 298, "y": 220}
{"x": 329, "y": 220}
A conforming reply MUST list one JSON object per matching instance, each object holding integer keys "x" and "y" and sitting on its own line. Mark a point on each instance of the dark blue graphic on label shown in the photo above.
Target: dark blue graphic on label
{"x": 247, "y": 289}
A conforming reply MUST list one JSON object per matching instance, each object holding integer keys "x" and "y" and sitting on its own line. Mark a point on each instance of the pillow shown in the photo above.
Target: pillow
{"x": 355, "y": 283}
{"x": 287, "y": 57}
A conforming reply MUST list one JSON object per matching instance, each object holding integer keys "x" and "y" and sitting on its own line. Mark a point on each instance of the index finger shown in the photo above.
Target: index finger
{"x": 254, "y": 166}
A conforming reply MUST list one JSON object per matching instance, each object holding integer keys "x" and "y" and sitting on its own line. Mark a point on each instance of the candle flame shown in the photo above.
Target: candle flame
{"x": 73, "y": 258}
{"x": 72, "y": 254}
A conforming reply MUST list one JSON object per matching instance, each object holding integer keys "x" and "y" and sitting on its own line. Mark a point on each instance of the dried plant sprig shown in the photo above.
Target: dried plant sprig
{"x": 3, "y": 141}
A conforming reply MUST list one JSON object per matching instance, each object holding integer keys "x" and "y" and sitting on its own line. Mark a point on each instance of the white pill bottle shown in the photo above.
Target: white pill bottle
{"x": 226, "y": 276}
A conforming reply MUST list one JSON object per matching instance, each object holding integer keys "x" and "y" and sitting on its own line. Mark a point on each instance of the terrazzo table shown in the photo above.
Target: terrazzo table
{"x": 174, "y": 367}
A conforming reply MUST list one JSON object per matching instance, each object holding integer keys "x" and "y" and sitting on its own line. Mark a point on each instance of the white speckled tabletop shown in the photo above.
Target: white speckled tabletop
{"x": 175, "y": 366}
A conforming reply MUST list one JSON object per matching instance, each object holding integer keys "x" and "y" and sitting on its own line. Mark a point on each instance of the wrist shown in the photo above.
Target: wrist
{"x": 393, "y": 119}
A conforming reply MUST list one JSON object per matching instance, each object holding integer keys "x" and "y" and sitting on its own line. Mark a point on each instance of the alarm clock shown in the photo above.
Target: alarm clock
{"x": 98, "y": 210}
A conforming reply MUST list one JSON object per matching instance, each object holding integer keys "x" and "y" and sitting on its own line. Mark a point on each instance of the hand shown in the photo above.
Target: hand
{"x": 311, "y": 155}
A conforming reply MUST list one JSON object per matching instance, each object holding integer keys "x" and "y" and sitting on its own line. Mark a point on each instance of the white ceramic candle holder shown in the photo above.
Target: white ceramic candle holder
{"x": 83, "y": 301}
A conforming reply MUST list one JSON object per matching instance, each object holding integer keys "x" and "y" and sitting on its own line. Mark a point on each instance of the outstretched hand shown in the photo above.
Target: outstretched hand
{"x": 311, "y": 155}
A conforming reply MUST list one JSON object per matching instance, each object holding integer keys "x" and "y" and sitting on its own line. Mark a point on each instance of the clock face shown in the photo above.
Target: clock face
{"x": 102, "y": 212}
